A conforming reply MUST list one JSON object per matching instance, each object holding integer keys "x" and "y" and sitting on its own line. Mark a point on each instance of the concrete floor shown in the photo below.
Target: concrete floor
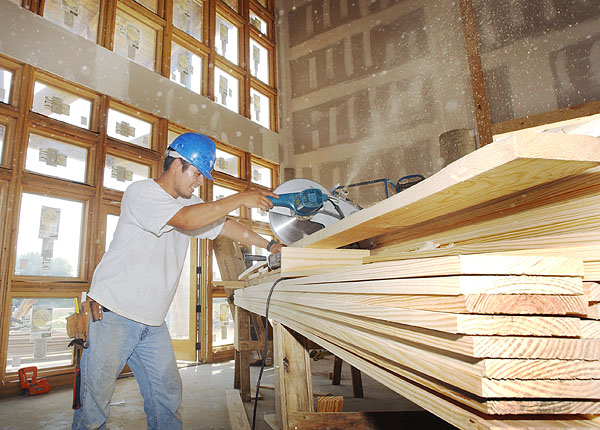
{"x": 204, "y": 405}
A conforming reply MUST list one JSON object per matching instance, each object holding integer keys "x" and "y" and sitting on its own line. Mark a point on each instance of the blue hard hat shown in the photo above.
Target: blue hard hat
{"x": 198, "y": 150}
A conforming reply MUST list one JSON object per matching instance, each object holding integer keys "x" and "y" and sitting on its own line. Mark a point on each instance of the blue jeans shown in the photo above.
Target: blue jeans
{"x": 114, "y": 341}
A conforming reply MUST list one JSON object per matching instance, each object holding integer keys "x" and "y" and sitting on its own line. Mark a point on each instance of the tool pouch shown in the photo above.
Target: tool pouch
{"x": 78, "y": 325}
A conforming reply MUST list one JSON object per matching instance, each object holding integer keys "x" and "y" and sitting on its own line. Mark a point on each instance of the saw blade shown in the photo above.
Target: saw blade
{"x": 289, "y": 229}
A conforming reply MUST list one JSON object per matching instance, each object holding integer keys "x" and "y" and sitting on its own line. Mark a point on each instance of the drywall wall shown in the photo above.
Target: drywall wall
{"x": 538, "y": 56}
{"x": 31, "y": 39}
{"x": 368, "y": 86}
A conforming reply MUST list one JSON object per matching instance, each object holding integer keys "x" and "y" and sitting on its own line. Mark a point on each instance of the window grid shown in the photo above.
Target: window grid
{"x": 19, "y": 121}
{"x": 171, "y": 21}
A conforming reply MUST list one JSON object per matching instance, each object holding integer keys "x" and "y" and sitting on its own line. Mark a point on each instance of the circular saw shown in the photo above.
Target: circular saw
{"x": 304, "y": 207}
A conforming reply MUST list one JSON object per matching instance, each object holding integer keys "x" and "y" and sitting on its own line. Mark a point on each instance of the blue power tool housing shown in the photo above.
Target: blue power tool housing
{"x": 304, "y": 203}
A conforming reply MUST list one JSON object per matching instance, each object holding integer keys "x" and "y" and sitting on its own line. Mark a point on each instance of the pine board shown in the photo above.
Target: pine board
{"x": 475, "y": 264}
{"x": 487, "y": 304}
{"x": 443, "y": 406}
{"x": 470, "y": 346}
{"x": 237, "y": 412}
{"x": 592, "y": 291}
{"x": 296, "y": 261}
{"x": 529, "y": 379}
{"x": 442, "y": 286}
{"x": 494, "y": 171}
{"x": 498, "y": 325}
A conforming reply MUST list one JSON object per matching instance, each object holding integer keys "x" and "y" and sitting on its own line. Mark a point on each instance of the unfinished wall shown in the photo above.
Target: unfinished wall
{"x": 367, "y": 87}
{"x": 539, "y": 56}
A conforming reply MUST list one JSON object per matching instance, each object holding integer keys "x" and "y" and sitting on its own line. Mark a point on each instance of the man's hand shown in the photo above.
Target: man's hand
{"x": 258, "y": 199}
{"x": 276, "y": 249}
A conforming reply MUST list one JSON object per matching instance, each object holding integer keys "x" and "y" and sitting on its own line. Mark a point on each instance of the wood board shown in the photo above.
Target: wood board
{"x": 495, "y": 171}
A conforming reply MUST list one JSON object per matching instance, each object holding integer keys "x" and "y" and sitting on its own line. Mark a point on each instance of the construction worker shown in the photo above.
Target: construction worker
{"x": 137, "y": 277}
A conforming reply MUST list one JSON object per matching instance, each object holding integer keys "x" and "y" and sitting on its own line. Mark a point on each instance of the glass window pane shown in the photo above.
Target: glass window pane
{"x": 228, "y": 163}
{"x": 222, "y": 323}
{"x": 79, "y": 17}
{"x": 262, "y": 175}
{"x": 216, "y": 272}
{"x": 61, "y": 105}
{"x": 226, "y": 40}
{"x": 149, "y": 4}
{"x": 263, "y": 2}
{"x": 49, "y": 237}
{"x": 129, "y": 128}
{"x": 258, "y": 23}
{"x": 259, "y": 61}
{"x": 2, "y": 134}
{"x": 260, "y": 108}
{"x": 135, "y": 40}
{"x": 111, "y": 226}
{"x": 178, "y": 317}
{"x": 54, "y": 158}
{"x": 260, "y": 215}
{"x": 187, "y": 16}
{"x": 186, "y": 68}
{"x": 233, "y": 4}
{"x": 5, "y": 85}
{"x": 120, "y": 173}
{"x": 171, "y": 136}
{"x": 37, "y": 334}
{"x": 227, "y": 90}
{"x": 222, "y": 192}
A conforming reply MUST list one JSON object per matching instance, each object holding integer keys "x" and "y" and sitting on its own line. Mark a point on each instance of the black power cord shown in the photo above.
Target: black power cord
{"x": 262, "y": 366}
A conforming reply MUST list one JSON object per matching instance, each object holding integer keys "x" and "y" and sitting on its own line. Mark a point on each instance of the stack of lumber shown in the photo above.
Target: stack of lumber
{"x": 472, "y": 302}
{"x": 493, "y": 335}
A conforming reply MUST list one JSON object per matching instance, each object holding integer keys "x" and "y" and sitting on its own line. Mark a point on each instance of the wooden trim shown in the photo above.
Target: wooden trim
{"x": 17, "y": 70}
{"x": 542, "y": 119}
{"x": 480, "y": 100}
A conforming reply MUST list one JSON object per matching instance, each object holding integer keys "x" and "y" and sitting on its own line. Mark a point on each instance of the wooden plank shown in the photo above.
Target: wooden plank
{"x": 271, "y": 420}
{"x": 592, "y": 270}
{"x": 500, "y": 406}
{"x": 468, "y": 324}
{"x": 246, "y": 273}
{"x": 590, "y": 329}
{"x": 449, "y": 410}
{"x": 330, "y": 403}
{"x": 594, "y": 311}
{"x": 371, "y": 420}
{"x": 471, "y": 346}
{"x": 497, "y": 170}
{"x": 475, "y": 264}
{"x": 229, "y": 258}
{"x": 237, "y": 412}
{"x": 435, "y": 285}
{"x": 481, "y": 105}
{"x": 592, "y": 291}
{"x": 293, "y": 384}
{"x": 513, "y": 304}
{"x": 242, "y": 335}
{"x": 566, "y": 206}
{"x": 528, "y": 378}
{"x": 296, "y": 261}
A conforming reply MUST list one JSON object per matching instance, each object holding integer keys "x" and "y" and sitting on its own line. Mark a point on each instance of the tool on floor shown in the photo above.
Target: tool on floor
{"x": 32, "y": 386}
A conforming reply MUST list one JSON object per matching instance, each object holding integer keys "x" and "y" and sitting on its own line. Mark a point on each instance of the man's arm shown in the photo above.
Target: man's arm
{"x": 194, "y": 217}
{"x": 236, "y": 231}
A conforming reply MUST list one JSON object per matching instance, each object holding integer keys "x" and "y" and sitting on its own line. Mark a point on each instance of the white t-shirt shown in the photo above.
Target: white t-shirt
{"x": 138, "y": 275}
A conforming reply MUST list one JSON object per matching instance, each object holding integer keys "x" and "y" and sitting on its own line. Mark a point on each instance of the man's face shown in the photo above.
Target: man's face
{"x": 187, "y": 181}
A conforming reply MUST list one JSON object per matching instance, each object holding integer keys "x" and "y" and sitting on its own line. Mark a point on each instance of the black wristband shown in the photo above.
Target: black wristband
{"x": 270, "y": 245}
